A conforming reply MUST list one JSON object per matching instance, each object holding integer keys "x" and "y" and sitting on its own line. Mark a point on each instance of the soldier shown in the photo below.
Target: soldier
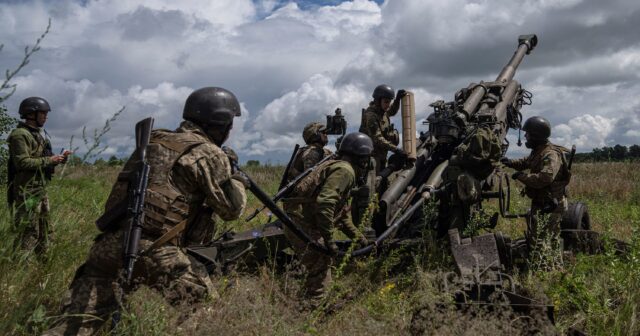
{"x": 377, "y": 125}
{"x": 547, "y": 179}
{"x": 318, "y": 204}
{"x": 31, "y": 164}
{"x": 315, "y": 136}
{"x": 190, "y": 181}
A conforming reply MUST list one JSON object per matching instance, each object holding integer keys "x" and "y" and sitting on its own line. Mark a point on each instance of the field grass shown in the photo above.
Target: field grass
{"x": 597, "y": 294}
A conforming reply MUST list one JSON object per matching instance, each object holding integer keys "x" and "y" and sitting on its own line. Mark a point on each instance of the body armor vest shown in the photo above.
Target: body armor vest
{"x": 165, "y": 206}
{"x": 557, "y": 189}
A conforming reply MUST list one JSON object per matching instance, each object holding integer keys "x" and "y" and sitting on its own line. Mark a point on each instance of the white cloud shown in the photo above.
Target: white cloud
{"x": 76, "y": 104}
{"x": 355, "y": 17}
{"x": 291, "y": 64}
{"x": 585, "y": 132}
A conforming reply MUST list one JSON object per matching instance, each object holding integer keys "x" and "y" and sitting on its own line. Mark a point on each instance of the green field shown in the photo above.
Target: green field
{"x": 597, "y": 294}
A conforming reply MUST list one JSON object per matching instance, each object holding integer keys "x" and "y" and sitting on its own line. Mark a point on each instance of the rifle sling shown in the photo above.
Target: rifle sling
{"x": 169, "y": 235}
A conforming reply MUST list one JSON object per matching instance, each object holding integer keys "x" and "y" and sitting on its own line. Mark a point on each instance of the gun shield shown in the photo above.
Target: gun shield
{"x": 409, "y": 141}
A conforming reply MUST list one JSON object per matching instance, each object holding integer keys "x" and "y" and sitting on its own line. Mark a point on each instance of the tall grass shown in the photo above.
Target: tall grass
{"x": 398, "y": 293}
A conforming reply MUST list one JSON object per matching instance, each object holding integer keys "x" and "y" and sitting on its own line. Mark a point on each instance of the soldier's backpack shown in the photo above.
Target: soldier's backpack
{"x": 479, "y": 152}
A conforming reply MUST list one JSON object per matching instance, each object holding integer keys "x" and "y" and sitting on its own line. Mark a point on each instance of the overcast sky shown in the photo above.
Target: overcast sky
{"x": 292, "y": 62}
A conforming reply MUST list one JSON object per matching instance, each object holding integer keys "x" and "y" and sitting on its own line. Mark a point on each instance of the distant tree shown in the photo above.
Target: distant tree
{"x": 253, "y": 163}
{"x": 634, "y": 151}
{"x": 100, "y": 162}
{"x": 619, "y": 153}
{"x": 114, "y": 161}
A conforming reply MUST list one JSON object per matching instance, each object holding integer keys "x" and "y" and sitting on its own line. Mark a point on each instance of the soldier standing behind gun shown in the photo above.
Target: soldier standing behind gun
{"x": 319, "y": 203}
{"x": 31, "y": 164}
{"x": 547, "y": 179}
{"x": 377, "y": 125}
{"x": 315, "y": 136}
{"x": 190, "y": 181}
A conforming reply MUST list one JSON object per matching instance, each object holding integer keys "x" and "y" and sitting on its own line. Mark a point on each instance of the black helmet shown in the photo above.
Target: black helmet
{"x": 539, "y": 128}
{"x": 33, "y": 104}
{"x": 211, "y": 106}
{"x": 383, "y": 91}
{"x": 356, "y": 144}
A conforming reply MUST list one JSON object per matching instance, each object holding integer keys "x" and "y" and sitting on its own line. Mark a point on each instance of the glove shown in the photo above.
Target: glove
{"x": 401, "y": 93}
{"x": 238, "y": 176}
{"x": 516, "y": 175}
{"x": 332, "y": 247}
{"x": 231, "y": 154}
{"x": 400, "y": 152}
{"x": 505, "y": 161}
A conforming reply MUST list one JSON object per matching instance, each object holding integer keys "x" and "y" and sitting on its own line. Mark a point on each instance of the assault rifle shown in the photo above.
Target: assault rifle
{"x": 137, "y": 190}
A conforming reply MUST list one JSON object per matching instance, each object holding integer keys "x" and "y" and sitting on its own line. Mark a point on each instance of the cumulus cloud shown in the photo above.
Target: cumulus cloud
{"x": 586, "y": 131}
{"x": 291, "y": 63}
{"x": 79, "y": 104}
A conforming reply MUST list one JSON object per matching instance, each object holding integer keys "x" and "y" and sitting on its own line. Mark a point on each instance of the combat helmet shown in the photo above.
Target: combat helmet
{"x": 33, "y": 104}
{"x": 356, "y": 144}
{"x": 383, "y": 91}
{"x": 538, "y": 128}
{"x": 211, "y": 107}
{"x": 311, "y": 132}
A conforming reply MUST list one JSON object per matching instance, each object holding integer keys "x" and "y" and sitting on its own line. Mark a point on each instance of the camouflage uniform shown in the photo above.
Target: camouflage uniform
{"x": 377, "y": 125}
{"x": 471, "y": 162}
{"x": 545, "y": 184}
{"x": 318, "y": 213}
{"x": 190, "y": 180}
{"x": 30, "y": 168}
{"x": 306, "y": 158}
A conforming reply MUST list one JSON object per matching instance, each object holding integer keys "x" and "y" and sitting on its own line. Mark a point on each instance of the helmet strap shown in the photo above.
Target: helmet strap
{"x": 519, "y": 137}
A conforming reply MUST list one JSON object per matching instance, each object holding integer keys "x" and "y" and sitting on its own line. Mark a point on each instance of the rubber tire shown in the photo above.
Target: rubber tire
{"x": 576, "y": 217}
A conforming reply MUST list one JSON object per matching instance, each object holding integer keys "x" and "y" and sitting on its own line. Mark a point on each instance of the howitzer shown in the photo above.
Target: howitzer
{"x": 442, "y": 152}
{"x": 495, "y": 105}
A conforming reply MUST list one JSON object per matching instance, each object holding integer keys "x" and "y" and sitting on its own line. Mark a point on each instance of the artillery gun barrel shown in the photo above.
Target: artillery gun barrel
{"x": 526, "y": 43}
{"x": 501, "y": 108}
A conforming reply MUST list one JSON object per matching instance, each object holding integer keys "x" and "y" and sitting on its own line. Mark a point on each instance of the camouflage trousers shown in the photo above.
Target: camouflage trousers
{"x": 317, "y": 265}
{"x": 31, "y": 221}
{"x": 462, "y": 191}
{"x": 380, "y": 160}
{"x": 92, "y": 295}
{"x": 542, "y": 223}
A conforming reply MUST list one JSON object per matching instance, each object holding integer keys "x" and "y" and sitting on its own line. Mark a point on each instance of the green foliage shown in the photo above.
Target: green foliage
{"x": 93, "y": 145}
{"x": 615, "y": 153}
{"x": 373, "y": 295}
{"x": 253, "y": 163}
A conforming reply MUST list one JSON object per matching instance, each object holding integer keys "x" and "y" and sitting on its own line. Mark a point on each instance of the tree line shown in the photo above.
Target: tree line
{"x": 615, "y": 153}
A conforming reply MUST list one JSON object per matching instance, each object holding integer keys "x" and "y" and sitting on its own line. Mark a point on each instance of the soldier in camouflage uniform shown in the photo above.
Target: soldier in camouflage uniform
{"x": 319, "y": 204}
{"x": 377, "y": 125}
{"x": 546, "y": 181}
{"x": 315, "y": 136}
{"x": 190, "y": 183}
{"x": 30, "y": 166}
